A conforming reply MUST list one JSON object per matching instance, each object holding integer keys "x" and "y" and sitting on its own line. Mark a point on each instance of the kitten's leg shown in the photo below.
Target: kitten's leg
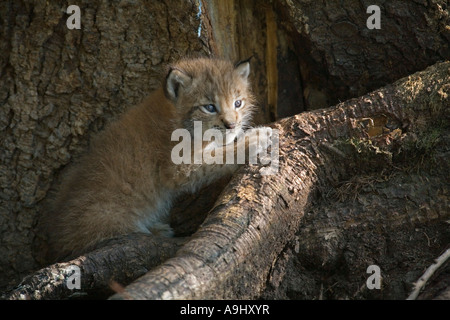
{"x": 155, "y": 218}
{"x": 162, "y": 229}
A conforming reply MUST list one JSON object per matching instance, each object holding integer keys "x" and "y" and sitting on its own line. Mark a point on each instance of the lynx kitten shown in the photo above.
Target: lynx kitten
{"x": 127, "y": 182}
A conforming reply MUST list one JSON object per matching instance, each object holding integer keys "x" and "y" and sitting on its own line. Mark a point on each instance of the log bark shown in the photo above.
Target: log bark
{"x": 103, "y": 271}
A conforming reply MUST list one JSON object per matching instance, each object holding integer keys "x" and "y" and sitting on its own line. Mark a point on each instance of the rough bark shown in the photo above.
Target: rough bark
{"x": 340, "y": 58}
{"x": 392, "y": 219}
{"x": 104, "y": 271}
{"x": 60, "y": 86}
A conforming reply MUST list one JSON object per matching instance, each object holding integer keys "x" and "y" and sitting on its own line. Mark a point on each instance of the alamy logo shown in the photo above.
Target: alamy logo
{"x": 218, "y": 143}
{"x": 73, "y": 279}
{"x": 374, "y": 281}
{"x": 374, "y": 20}
{"x": 74, "y": 21}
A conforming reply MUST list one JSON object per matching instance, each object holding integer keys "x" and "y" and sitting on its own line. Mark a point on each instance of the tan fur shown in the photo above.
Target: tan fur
{"x": 127, "y": 182}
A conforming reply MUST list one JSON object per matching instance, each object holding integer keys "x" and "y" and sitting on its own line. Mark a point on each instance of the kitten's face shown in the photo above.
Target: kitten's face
{"x": 214, "y": 92}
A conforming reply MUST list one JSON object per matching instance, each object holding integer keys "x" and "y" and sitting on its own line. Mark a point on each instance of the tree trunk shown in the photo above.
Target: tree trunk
{"x": 261, "y": 226}
{"x": 341, "y": 58}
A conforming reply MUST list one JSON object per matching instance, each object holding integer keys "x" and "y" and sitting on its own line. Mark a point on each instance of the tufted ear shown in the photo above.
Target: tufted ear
{"x": 243, "y": 68}
{"x": 176, "y": 79}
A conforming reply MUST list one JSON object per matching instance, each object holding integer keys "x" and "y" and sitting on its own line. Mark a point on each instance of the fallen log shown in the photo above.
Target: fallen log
{"x": 101, "y": 272}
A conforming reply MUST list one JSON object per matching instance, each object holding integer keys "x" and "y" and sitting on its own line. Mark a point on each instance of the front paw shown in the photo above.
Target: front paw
{"x": 259, "y": 140}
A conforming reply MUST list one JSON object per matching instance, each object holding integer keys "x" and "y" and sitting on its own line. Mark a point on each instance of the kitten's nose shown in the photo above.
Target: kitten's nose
{"x": 229, "y": 125}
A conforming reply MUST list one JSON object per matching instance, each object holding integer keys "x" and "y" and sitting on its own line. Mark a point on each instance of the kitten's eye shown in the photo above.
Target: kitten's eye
{"x": 210, "y": 108}
{"x": 237, "y": 104}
